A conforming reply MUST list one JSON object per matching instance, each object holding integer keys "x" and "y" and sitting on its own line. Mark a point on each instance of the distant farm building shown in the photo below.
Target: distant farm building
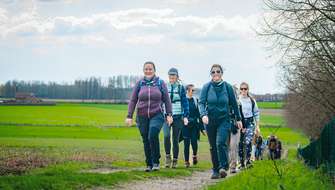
{"x": 26, "y": 98}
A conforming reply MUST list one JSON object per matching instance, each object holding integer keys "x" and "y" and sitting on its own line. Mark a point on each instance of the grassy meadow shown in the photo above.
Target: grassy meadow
{"x": 51, "y": 147}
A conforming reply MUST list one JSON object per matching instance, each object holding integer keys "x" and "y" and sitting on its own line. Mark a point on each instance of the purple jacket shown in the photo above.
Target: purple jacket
{"x": 149, "y": 98}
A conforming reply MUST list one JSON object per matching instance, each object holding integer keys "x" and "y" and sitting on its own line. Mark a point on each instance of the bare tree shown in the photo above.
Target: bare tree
{"x": 302, "y": 33}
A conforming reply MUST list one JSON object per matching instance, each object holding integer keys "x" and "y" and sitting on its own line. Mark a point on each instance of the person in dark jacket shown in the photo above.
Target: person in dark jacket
{"x": 191, "y": 132}
{"x": 149, "y": 94}
{"x": 180, "y": 112}
{"x": 216, "y": 99}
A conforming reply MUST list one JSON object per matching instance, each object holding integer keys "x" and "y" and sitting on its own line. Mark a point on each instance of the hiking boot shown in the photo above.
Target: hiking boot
{"x": 232, "y": 170}
{"x": 174, "y": 163}
{"x": 155, "y": 167}
{"x": 187, "y": 164}
{"x": 248, "y": 164}
{"x": 242, "y": 166}
{"x": 215, "y": 175}
{"x": 223, "y": 173}
{"x": 168, "y": 161}
{"x": 148, "y": 169}
{"x": 195, "y": 160}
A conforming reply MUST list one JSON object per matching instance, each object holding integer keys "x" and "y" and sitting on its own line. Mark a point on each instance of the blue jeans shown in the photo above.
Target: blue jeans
{"x": 218, "y": 133}
{"x": 176, "y": 126}
{"x": 190, "y": 135}
{"x": 149, "y": 129}
{"x": 258, "y": 153}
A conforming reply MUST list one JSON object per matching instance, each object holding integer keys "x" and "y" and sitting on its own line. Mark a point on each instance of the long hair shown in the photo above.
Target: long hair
{"x": 247, "y": 85}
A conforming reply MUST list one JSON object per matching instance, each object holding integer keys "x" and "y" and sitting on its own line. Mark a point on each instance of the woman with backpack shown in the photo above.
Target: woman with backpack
{"x": 180, "y": 112}
{"x": 191, "y": 132}
{"x": 250, "y": 118}
{"x": 216, "y": 99}
{"x": 149, "y": 94}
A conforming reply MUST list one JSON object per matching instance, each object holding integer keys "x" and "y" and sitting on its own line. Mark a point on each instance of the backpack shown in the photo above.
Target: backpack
{"x": 179, "y": 92}
{"x": 158, "y": 83}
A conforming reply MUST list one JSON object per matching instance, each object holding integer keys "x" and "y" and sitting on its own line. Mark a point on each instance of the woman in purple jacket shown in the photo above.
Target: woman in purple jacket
{"x": 149, "y": 95}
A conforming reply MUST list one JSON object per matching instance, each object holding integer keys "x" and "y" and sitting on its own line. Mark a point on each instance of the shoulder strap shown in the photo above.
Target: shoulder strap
{"x": 229, "y": 102}
{"x": 252, "y": 105}
{"x": 160, "y": 85}
{"x": 179, "y": 89}
{"x": 196, "y": 102}
{"x": 207, "y": 90}
{"x": 139, "y": 85}
{"x": 227, "y": 89}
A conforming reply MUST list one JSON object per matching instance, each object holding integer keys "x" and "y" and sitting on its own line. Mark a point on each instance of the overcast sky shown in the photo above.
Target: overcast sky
{"x": 64, "y": 40}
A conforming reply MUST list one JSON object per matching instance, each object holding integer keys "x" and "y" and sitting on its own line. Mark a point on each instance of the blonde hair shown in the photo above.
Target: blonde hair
{"x": 247, "y": 85}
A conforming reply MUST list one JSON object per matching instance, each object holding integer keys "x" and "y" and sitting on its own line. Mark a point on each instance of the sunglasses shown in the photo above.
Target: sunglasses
{"x": 217, "y": 71}
{"x": 243, "y": 88}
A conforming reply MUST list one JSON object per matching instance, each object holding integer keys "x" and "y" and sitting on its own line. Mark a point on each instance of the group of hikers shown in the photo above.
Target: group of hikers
{"x": 230, "y": 122}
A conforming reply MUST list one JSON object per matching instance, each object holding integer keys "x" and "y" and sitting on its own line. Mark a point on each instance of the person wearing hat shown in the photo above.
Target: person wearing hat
{"x": 180, "y": 113}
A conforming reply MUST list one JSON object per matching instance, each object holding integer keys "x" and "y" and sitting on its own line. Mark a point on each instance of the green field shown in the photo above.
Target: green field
{"x": 50, "y": 147}
{"x": 270, "y": 105}
{"x": 63, "y": 114}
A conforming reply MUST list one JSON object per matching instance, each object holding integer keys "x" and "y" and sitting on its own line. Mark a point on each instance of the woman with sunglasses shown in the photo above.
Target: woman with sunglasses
{"x": 149, "y": 94}
{"x": 250, "y": 116}
{"x": 191, "y": 132}
{"x": 216, "y": 99}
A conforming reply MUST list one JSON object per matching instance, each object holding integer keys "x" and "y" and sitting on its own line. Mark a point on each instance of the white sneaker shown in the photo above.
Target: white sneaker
{"x": 155, "y": 167}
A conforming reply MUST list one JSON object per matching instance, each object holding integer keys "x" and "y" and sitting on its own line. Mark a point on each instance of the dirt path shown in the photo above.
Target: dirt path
{"x": 198, "y": 180}
{"x": 273, "y": 112}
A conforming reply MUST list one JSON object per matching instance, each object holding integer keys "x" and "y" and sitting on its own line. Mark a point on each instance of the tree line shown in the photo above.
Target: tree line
{"x": 116, "y": 88}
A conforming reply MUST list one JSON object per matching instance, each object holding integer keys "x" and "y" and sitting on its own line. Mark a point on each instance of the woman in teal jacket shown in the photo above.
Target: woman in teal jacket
{"x": 216, "y": 100}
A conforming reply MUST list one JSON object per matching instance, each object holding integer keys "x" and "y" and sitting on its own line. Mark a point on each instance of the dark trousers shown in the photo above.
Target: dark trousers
{"x": 149, "y": 129}
{"x": 190, "y": 135}
{"x": 176, "y": 127}
{"x": 218, "y": 133}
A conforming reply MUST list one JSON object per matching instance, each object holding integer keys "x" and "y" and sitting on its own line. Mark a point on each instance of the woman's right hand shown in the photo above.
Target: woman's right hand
{"x": 129, "y": 122}
{"x": 205, "y": 120}
{"x": 169, "y": 120}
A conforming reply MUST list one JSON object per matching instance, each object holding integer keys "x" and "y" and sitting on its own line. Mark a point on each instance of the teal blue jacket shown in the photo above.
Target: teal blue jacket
{"x": 220, "y": 105}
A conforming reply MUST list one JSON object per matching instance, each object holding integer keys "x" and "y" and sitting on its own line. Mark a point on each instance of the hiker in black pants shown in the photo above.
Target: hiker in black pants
{"x": 216, "y": 99}
{"x": 180, "y": 112}
{"x": 191, "y": 132}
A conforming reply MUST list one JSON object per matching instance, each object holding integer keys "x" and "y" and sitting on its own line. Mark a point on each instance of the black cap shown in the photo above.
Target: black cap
{"x": 173, "y": 71}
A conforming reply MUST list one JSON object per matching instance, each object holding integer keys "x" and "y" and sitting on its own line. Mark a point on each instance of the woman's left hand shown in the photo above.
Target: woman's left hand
{"x": 239, "y": 124}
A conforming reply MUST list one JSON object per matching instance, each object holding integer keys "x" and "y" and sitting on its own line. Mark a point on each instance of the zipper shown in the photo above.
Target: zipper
{"x": 149, "y": 104}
